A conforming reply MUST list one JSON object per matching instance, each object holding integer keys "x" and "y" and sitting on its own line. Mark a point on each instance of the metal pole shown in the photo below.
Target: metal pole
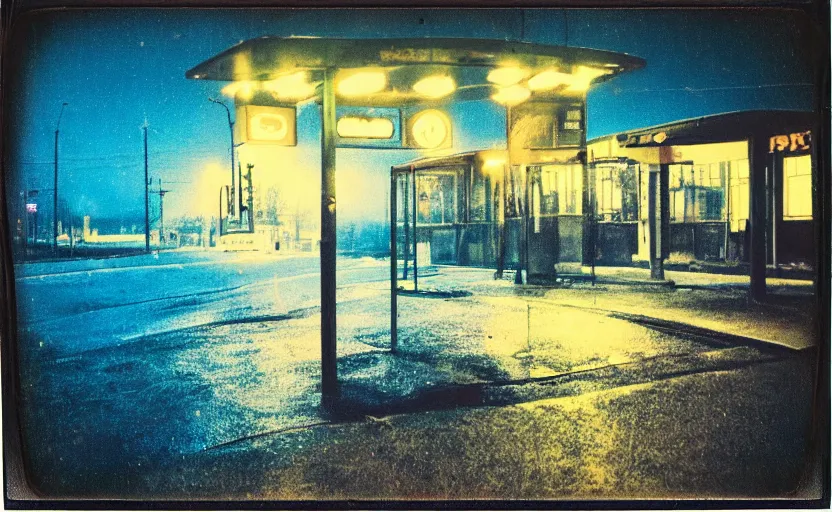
{"x": 239, "y": 190}
{"x": 250, "y": 199}
{"x": 406, "y": 224}
{"x": 655, "y": 225}
{"x": 501, "y": 255}
{"x": 329, "y": 373}
{"x": 528, "y": 213}
{"x": 55, "y": 188}
{"x": 394, "y": 306}
{"x": 161, "y": 214}
{"x": 146, "y": 197}
{"x": 415, "y": 238}
{"x": 757, "y": 159}
{"x": 55, "y": 196}
{"x": 25, "y": 226}
{"x": 233, "y": 169}
{"x": 219, "y": 219}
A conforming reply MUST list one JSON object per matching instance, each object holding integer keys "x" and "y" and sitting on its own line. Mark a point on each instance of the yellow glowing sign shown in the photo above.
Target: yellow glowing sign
{"x": 271, "y": 125}
{"x": 791, "y": 142}
{"x": 429, "y": 129}
{"x": 365, "y": 128}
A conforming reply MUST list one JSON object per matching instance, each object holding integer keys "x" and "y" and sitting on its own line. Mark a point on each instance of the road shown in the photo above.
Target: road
{"x": 72, "y": 307}
{"x": 196, "y": 374}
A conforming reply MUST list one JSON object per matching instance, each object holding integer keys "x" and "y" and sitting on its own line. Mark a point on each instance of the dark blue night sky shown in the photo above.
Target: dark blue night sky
{"x": 117, "y": 68}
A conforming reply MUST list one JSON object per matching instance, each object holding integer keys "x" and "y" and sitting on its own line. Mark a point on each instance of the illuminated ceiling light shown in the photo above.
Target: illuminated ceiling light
{"x": 243, "y": 89}
{"x": 362, "y": 83}
{"x": 365, "y": 128}
{"x": 435, "y": 86}
{"x": 493, "y": 164}
{"x": 507, "y": 76}
{"x": 583, "y": 77}
{"x": 512, "y": 95}
{"x": 549, "y": 79}
{"x": 294, "y": 86}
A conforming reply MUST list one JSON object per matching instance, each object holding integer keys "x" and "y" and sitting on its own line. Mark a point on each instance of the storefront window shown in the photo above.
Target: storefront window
{"x": 697, "y": 192}
{"x": 616, "y": 192}
{"x": 479, "y": 198}
{"x": 561, "y": 189}
{"x": 797, "y": 188}
{"x": 514, "y": 192}
{"x": 436, "y": 198}
{"x": 738, "y": 205}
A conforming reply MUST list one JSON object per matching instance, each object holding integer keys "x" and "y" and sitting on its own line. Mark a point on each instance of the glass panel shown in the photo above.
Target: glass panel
{"x": 437, "y": 198}
{"x": 797, "y": 187}
{"x": 478, "y": 199}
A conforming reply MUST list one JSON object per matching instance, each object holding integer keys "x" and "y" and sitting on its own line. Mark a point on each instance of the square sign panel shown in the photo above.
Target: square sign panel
{"x": 269, "y": 125}
{"x": 366, "y": 127}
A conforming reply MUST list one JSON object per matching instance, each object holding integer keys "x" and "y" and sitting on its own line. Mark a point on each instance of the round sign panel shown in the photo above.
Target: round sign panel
{"x": 430, "y": 129}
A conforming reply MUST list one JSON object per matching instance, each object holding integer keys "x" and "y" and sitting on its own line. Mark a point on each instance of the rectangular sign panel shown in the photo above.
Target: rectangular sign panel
{"x": 267, "y": 125}
{"x": 366, "y": 127}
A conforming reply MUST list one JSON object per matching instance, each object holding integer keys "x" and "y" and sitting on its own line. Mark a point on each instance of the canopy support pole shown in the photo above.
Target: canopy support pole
{"x": 329, "y": 373}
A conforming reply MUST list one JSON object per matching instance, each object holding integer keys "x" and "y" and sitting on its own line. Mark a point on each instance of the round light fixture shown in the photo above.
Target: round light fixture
{"x": 430, "y": 129}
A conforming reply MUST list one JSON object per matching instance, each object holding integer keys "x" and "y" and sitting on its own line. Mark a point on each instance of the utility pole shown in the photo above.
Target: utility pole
{"x": 146, "y": 194}
{"x": 55, "y": 188}
{"x": 250, "y": 198}
{"x": 161, "y": 193}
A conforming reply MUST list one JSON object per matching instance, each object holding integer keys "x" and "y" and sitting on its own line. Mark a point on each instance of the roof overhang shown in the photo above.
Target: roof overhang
{"x": 467, "y": 61}
{"x": 728, "y": 127}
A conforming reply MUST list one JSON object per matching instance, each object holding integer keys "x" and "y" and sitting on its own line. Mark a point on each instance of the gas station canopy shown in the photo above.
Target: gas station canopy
{"x": 401, "y": 72}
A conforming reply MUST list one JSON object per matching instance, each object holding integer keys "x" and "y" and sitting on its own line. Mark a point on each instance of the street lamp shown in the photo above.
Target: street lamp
{"x": 55, "y": 207}
{"x": 231, "y": 198}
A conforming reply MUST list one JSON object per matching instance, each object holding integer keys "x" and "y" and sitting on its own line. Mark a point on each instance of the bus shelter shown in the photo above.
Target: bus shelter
{"x": 543, "y": 88}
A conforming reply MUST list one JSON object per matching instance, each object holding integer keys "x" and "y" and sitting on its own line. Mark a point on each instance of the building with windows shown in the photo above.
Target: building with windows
{"x": 472, "y": 209}
{"x": 705, "y": 190}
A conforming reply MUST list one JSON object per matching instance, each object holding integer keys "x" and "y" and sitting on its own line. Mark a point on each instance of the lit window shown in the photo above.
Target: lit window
{"x": 616, "y": 193}
{"x": 562, "y": 189}
{"x": 738, "y": 198}
{"x": 797, "y": 187}
{"x": 697, "y": 192}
